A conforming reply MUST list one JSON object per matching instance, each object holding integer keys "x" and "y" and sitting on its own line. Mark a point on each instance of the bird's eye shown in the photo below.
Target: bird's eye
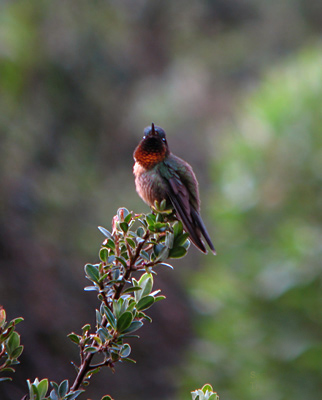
{"x": 163, "y": 139}
{"x": 144, "y": 137}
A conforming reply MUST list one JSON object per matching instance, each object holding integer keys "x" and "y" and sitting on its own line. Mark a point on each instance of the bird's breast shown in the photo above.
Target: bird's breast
{"x": 150, "y": 186}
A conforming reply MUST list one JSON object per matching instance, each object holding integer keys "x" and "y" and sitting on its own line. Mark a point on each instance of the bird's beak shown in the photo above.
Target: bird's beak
{"x": 153, "y": 130}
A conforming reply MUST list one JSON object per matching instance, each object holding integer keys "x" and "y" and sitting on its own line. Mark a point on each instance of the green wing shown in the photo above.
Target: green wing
{"x": 182, "y": 190}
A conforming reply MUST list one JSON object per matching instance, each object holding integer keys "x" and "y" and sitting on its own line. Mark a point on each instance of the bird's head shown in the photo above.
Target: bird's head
{"x": 153, "y": 148}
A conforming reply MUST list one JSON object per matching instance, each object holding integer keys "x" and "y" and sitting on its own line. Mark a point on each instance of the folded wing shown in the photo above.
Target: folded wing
{"x": 192, "y": 222}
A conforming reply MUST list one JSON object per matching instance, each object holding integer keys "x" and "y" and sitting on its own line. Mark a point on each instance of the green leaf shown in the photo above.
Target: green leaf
{"x": 42, "y": 388}
{"x": 99, "y": 315}
{"x": 177, "y": 228}
{"x": 74, "y": 338}
{"x": 131, "y": 242}
{"x": 206, "y": 393}
{"x": 74, "y": 395}
{"x": 150, "y": 218}
{"x": 55, "y": 386}
{"x": 131, "y": 305}
{"x": 16, "y": 321}
{"x": 140, "y": 231}
{"x": 165, "y": 265}
{"x": 146, "y": 283}
{"x": 103, "y": 254}
{"x": 13, "y": 342}
{"x": 53, "y": 395}
{"x": 130, "y": 360}
{"x": 92, "y": 372}
{"x": 63, "y": 388}
{"x": 126, "y": 350}
{"x": 158, "y": 298}
{"x": 132, "y": 289}
{"x": 104, "y": 334}
{"x": 124, "y": 226}
{"x": 122, "y": 261}
{"x": 163, "y": 253}
{"x": 115, "y": 274}
{"x": 160, "y": 226}
{"x": 124, "y": 321}
{"x": 5, "y": 379}
{"x": 98, "y": 340}
{"x": 118, "y": 307}
{"x": 17, "y": 352}
{"x": 7, "y": 369}
{"x": 181, "y": 239}
{"x": 4, "y": 336}
{"x": 158, "y": 248}
{"x": 135, "y": 325}
{"x": 91, "y": 349}
{"x": 86, "y": 328}
{"x": 92, "y": 273}
{"x": 163, "y": 205}
{"x": 110, "y": 244}
{"x": 177, "y": 252}
{"x": 30, "y": 384}
{"x": 169, "y": 240}
{"x": 106, "y": 398}
{"x": 111, "y": 259}
{"x": 128, "y": 218}
{"x": 105, "y": 232}
{"x": 146, "y": 317}
{"x": 128, "y": 336}
{"x": 110, "y": 317}
{"x": 34, "y": 392}
{"x": 145, "y": 255}
{"x": 206, "y": 387}
{"x": 114, "y": 356}
{"x": 145, "y": 302}
{"x": 91, "y": 288}
{"x": 14, "y": 361}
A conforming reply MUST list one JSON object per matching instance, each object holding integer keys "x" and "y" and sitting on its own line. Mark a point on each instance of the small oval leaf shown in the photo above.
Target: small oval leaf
{"x": 105, "y": 232}
{"x": 145, "y": 302}
{"x": 124, "y": 226}
{"x": 92, "y": 273}
{"x": 126, "y": 350}
{"x": 177, "y": 252}
{"x": 110, "y": 317}
{"x": 74, "y": 338}
{"x": 103, "y": 254}
{"x": 135, "y": 325}
{"x": 124, "y": 321}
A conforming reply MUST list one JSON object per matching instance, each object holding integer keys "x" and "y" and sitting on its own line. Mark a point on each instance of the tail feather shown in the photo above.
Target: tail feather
{"x": 192, "y": 222}
{"x": 194, "y": 226}
{"x": 197, "y": 218}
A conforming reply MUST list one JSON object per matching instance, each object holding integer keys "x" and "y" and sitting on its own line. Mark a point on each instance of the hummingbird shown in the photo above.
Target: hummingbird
{"x": 160, "y": 175}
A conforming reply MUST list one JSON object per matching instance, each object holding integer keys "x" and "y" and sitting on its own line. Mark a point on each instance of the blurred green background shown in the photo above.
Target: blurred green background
{"x": 237, "y": 85}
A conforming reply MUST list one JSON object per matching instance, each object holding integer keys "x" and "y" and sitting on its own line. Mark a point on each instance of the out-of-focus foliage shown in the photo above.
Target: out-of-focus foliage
{"x": 261, "y": 333}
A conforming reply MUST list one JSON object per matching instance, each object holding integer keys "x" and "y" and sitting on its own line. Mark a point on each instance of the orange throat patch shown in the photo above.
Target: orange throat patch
{"x": 148, "y": 159}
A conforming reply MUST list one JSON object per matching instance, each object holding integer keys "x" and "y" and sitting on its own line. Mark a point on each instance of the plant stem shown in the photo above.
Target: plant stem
{"x": 86, "y": 361}
{"x": 130, "y": 266}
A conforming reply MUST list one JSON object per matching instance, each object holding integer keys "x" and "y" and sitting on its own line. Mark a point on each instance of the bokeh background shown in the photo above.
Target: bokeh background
{"x": 237, "y": 85}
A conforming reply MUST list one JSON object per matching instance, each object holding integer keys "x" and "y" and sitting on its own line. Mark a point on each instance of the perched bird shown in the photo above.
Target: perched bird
{"x": 160, "y": 175}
